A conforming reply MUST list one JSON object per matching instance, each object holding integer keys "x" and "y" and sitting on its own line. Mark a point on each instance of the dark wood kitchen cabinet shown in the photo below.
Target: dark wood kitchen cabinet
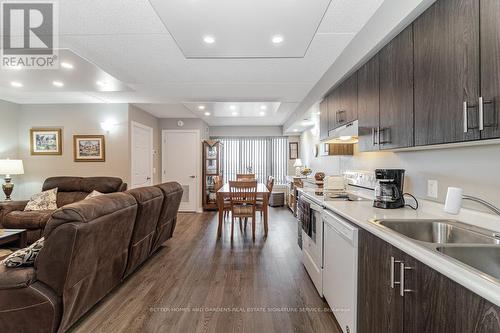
{"x": 446, "y": 42}
{"x": 368, "y": 105}
{"x": 323, "y": 119}
{"x": 333, "y": 108}
{"x": 431, "y": 302}
{"x": 396, "y": 92}
{"x": 348, "y": 101}
{"x": 490, "y": 67}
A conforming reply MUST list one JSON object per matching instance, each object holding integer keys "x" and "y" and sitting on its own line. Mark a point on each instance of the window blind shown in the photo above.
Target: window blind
{"x": 264, "y": 156}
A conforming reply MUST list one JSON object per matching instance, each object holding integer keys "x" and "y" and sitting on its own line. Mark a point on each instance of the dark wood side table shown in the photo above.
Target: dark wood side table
{"x": 13, "y": 238}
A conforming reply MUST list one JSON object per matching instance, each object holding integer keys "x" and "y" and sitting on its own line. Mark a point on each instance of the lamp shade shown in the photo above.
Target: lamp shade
{"x": 11, "y": 167}
{"x": 298, "y": 163}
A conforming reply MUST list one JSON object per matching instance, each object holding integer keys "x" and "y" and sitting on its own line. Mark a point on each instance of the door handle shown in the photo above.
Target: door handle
{"x": 192, "y": 176}
{"x": 393, "y": 263}
{"x": 402, "y": 270}
{"x": 148, "y": 178}
{"x": 466, "y": 121}
{"x": 481, "y": 114}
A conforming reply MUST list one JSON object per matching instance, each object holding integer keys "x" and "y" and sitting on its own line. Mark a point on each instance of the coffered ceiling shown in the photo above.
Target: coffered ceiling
{"x": 157, "y": 51}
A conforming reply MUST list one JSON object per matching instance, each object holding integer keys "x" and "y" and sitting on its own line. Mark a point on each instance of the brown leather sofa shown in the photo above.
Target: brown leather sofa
{"x": 70, "y": 190}
{"x": 91, "y": 246}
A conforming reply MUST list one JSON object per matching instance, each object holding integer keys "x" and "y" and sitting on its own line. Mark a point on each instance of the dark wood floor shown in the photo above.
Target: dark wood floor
{"x": 200, "y": 284}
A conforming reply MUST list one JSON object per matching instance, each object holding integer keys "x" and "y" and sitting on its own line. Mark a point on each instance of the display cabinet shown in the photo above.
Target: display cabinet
{"x": 212, "y": 166}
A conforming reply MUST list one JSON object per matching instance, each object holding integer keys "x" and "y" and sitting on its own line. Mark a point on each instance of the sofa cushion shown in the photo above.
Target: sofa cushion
{"x": 27, "y": 220}
{"x": 94, "y": 194}
{"x": 66, "y": 198}
{"x": 24, "y": 257}
{"x": 46, "y": 200}
{"x": 80, "y": 184}
{"x": 16, "y": 277}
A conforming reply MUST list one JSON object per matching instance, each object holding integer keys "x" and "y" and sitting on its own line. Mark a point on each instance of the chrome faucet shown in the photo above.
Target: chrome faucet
{"x": 492, "y": 207}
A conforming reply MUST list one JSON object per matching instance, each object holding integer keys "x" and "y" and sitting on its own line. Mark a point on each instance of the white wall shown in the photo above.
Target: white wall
{"x": 246, "y": 131}
{"x": 9, "y": 113}
{"x": 73, "y": 119}
{"x": 189, "y": 123}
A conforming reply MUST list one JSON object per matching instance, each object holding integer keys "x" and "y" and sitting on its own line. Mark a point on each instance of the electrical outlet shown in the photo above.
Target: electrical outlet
{"x": 432, "y": 188}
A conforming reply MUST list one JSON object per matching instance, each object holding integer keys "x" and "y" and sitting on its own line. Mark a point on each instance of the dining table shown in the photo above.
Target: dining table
{"x": 224, "y": 193}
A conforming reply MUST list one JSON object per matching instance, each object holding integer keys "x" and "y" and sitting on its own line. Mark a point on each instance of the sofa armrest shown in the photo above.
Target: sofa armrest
{"x": 10, "y": 206}
{"x": 12, "y": 278}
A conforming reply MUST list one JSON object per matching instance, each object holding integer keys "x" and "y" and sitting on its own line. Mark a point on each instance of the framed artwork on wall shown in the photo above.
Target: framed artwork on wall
{"x": 293, "y": 150}
{"x": 46, "y": 141}
{"x": 89, "y": 148}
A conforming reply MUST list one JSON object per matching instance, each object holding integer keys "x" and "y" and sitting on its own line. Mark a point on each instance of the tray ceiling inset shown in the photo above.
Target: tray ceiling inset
{"x": 258, "y": 21}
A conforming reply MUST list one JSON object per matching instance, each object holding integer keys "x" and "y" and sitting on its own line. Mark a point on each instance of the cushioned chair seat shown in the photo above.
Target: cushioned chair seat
{"x": 242, "y": 210}
{"x": 27, "y": 220}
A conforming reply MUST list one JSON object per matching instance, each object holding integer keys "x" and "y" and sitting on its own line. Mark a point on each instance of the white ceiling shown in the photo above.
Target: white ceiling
{"x": 128, "y": 40}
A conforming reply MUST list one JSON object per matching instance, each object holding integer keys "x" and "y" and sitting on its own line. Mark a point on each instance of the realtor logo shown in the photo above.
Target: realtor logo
{"x": 29, "y": 34}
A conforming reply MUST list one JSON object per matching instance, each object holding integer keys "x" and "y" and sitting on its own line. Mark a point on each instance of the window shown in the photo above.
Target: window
{"x": 264, "y": 156}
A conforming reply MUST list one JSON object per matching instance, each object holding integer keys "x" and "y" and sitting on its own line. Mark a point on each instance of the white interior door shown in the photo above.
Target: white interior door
{"x": 181, "y": 155}
{"x": 142, "y": 155}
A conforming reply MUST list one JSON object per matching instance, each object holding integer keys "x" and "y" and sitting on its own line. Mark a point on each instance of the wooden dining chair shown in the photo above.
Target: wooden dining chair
{"x": 245, "y": 176}
{"x": 243, "y": 197}
{"x": 260, "y": 200}
{"x": 218, "y": 183}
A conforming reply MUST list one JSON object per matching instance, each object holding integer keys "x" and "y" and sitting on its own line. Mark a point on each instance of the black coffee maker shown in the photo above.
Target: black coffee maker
{"x": 389, "y": 189}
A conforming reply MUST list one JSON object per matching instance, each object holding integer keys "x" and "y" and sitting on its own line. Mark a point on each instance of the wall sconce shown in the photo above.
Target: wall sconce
{"x": 108, "y": 125}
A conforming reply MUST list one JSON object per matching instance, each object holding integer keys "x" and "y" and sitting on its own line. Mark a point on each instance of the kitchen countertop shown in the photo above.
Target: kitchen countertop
{"x": 363, "y": 214}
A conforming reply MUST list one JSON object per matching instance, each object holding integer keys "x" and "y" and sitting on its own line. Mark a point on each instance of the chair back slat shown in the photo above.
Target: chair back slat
{"x": 245, "y": 176}
{"x": 270, "y": 184}
{"x": 243, "y": 192}
{"x": 218, "y": 183}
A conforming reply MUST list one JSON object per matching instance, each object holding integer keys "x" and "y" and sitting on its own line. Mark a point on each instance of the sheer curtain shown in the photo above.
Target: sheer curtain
{"x": 264, "y": 156}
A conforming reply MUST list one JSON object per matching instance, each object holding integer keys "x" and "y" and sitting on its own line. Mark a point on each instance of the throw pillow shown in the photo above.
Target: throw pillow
{"x": 24, "y": 257}
{"x": 93, "y": 194}
{"x": 46, "y": 200}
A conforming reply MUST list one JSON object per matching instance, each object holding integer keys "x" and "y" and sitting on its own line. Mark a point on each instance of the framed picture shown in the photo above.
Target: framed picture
{"x": 45, "y": 141}
{"x": 89, "y": 148}
{"x": 293, "y": 150}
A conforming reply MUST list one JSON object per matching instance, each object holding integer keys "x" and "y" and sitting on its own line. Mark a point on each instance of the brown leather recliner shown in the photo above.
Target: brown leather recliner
{"x": 70, "y": 190}
{"x": 90, "y": 247}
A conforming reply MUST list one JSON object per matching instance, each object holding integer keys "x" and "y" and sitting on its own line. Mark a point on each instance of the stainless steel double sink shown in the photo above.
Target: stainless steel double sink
{"x": 471, "y": 245}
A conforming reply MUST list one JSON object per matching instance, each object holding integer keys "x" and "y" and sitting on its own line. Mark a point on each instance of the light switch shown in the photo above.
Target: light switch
{"x": 432, "y": 188}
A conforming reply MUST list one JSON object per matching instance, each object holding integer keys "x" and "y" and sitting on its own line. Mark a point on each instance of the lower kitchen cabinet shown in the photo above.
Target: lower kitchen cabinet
{"x": 427, "y": 302}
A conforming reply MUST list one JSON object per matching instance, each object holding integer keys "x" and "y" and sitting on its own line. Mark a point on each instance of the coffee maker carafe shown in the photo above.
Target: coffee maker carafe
{"x": 389, "y": 189}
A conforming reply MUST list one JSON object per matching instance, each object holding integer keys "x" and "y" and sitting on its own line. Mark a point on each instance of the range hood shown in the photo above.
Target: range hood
{"x": 344, "y": 134}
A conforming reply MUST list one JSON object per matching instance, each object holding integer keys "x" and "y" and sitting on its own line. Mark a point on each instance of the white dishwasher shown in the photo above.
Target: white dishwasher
{"x": 340, "y": 269}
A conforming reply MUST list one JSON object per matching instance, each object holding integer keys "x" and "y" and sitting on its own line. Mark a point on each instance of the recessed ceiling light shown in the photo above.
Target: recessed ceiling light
{"x": 232, "y": 107}
{"x": 262, "y": 113}
{"x": 207, "y": 114}
{"x": 209, "y": 39}
{"x": 201, "y": 107}
{"x": 318, "y": 113}
{"x": 66, "y": 65}
{"x": 277, "y": 39}
{"x": 16, "y": 84}
{"x": 295, "y": 130}
{"x": 234, "y": 113}
{"x": 263, "y": 107}
{"x": 58, "y": 84}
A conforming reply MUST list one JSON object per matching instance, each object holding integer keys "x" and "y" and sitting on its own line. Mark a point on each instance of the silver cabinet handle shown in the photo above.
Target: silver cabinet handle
{"x": 393, "y": 262}
{"x": 373, "y": 137}
{"x": 402, "y": 269}
{"x": 481, "y": 114}
{"x": 466, "y": 125}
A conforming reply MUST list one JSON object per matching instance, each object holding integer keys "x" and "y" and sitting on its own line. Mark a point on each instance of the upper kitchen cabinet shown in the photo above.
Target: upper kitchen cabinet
{"x": 348, "y": 100}
{"x": 446, "y": 42}
{"x": 396, "y": 92}
{"x": 333, "y": 108}
{"x": 490, "y": 67}
{"x": 323, "y": 119}
{"x": 368, "y": 105}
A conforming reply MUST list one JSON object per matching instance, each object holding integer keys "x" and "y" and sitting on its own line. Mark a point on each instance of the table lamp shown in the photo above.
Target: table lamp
{"x": 297, "y": 165}
{"x": 9, "y": 168}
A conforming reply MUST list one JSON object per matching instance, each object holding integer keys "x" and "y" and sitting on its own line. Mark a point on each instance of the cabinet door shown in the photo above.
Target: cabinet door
{"x": 333, "y": 108}
{"x": 396, "y": 92}
{"x": 323, "y": 119}
{"x": 380, "y": 308}
{"x": 446, "y": 39}
{"x": 437, "y": 304}
{"x": 368, "y": 105}
{"x": 348, "y": 100}
{"x": 490, "y": 67}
